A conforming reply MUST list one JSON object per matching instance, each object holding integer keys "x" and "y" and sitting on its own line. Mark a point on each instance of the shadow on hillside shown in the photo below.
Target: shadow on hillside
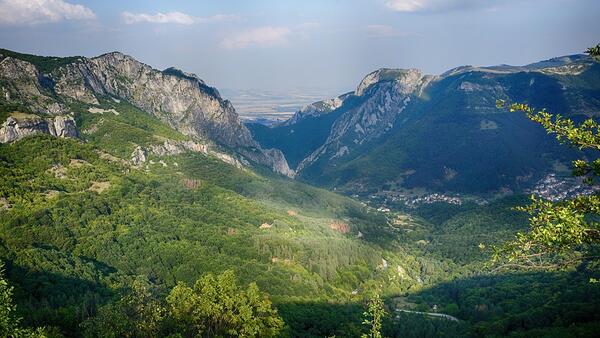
{"x": 540, "y": 304}
{"x": 51, "y": 299}
{"x": 519, "y": 304}
{"x": 321, "y": 319}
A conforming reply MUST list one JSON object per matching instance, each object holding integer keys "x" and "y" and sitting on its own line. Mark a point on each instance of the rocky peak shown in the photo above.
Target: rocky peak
{"x": 178, "y": 72}
{"x": 407, "y": 79}
{"x": 117, "y": 57}
{"x": 182, "y": 100}
{"x": 386, "y": 93}
{"x": 114, "y": 53}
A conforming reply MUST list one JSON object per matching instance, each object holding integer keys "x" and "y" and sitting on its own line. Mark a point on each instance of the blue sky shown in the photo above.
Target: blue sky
{"x": 324, "y": 45}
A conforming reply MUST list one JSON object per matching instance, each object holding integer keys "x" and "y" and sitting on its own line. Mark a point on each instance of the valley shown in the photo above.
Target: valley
{"x": 116, "y": 174}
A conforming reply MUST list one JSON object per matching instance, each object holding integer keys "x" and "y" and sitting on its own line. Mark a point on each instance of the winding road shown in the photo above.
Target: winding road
{"x": 431, "y": 314}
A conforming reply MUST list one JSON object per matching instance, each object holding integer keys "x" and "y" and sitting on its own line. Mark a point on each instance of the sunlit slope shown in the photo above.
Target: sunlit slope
{"x": 79, "y": 222}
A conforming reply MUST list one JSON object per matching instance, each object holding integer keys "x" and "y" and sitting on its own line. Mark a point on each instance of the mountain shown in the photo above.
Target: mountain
{"x": 401, "y": 130}
{"x": 110, "y": 178}
{"x": 120, "y": 183}
{"x": 51, "y": 86}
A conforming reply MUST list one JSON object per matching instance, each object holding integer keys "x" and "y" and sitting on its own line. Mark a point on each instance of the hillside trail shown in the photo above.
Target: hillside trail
{"x": 431, "y": 314}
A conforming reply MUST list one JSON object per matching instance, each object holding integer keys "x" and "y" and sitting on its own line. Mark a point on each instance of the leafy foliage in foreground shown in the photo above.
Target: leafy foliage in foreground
{"x": 564, "y": 232}
{"x": 10, "y": 325}
{"x": 568, "y": 231}
{"x": 216, "y": 307}
{"x": 213, "y": 307}
{"x": 374, "y": 317}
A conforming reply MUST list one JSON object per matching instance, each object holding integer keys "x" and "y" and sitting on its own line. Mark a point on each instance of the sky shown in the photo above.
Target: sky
{"x": 320, "y": 45}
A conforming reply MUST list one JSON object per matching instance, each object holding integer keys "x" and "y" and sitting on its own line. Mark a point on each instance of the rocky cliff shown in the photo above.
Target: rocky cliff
{"x": 383, "y": 95}
{"x": 180, "y": 99}
{"x": 22, "y": 83}
{"x": 14, "y": 128}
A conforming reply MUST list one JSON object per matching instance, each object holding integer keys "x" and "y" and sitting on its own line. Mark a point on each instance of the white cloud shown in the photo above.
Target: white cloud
{"x": 437, "y": 5}
{"x": 170, "y": 17}
{"x": 173, "y": 17}
{"x": 262, "y": 36}
{"x": 31, "y": 12}
{"x": 405, "y": 5}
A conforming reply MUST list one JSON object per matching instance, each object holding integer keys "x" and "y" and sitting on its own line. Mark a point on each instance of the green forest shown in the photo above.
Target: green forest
{"x": 189, "y": 246}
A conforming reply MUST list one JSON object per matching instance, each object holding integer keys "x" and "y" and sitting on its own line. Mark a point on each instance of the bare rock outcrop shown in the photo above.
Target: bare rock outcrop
{"x": 24, "y": 85}
{"x": 389, "y": 92}
{"x": 138, "y": 156}
{"x": 14, "y": 129}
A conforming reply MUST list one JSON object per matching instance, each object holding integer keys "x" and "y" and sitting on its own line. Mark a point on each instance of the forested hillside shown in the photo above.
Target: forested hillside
{"x": 80, "y": 227}
{"x": 80, "y": 224}
{"x": 113, "y": 222}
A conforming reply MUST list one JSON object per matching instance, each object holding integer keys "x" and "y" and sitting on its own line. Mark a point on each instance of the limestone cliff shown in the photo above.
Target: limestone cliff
{"x": 389, "y": 91}
{"x": 181, "y": 100}
{"x": 14, "y": 129}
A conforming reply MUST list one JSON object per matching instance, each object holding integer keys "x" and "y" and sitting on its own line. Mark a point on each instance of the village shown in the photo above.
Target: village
{"x": 555, "y": 188}
{"x": 552, "y": 187}
{"x": 384, "y": 198}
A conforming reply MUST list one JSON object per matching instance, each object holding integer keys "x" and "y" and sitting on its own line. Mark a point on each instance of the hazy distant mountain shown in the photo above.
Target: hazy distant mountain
{"x": 401, "y": 129}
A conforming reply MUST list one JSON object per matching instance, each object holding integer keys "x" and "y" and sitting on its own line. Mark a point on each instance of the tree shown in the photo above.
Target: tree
{"x": 9, "y": 323}
{"x": 594, "y": 52}
{"x": 373, "y": 317}
{"x": 568, "y": 231}
{"x": 215, "y": 306}
{"x": 137, "y": 314}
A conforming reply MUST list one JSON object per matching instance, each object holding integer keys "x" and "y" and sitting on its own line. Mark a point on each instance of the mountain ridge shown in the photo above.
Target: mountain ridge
{"x": 180, "y": 99}
{"x": 381, "y": 109}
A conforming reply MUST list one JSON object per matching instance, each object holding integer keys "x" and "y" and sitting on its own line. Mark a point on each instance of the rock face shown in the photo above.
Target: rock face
{"x": 171, "y": 147}
{"x": 14, "y": 129}
{"x": 384, "y": 94}
{"x": 138, "y": 156}
{"x": 182, "y": 100}
{"x": 22, "y": 83}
